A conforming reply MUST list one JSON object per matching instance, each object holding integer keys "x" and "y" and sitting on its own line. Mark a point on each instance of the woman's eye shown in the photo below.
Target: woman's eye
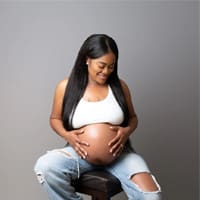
{"x": 111, "y": 67}
{"x": 101, "y": 66}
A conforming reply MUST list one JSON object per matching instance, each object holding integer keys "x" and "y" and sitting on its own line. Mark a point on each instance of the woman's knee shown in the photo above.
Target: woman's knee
{"x": 48, "y": 166}
{"x": 147, "y": 185}
{"x": 55, "y": 163}
{"x": 42, "y": 168}
{"x": 42, "y": 164}
{"x": 145, "y": 181}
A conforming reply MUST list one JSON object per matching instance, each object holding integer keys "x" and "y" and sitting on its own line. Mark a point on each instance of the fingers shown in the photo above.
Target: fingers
{"x": 117, "y": 149}
{"x": 116, "y": 144}
{"x": 78, "y": 145}
{"x": 80, "y": 151}
{"x": 114, "y": 128}
{"x": 84, "y": 143}
{"x": 115, "y": 139}
{"x": 79, "y": 132}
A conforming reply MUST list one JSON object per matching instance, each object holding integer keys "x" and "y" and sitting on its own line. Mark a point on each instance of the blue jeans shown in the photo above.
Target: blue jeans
{"x": 57, "y": 168}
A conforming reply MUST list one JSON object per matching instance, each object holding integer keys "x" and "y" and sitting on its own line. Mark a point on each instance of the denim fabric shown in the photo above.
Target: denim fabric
{"x": 57, "y": 168}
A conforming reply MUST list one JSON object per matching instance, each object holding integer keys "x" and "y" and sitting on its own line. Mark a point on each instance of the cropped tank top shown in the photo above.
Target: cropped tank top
{"x": 103, "y": 111}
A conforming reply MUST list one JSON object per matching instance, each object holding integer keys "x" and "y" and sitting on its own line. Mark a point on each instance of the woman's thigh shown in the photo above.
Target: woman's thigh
{"x": 63, "y": 160}
{"x": 128, "y": 164}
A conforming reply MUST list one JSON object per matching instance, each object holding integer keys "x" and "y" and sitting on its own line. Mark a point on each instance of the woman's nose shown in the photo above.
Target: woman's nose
{"x": 106, "y": 70}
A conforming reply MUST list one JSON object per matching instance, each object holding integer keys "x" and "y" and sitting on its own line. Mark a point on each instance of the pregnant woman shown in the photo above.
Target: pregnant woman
{"x": 93, "y": 112}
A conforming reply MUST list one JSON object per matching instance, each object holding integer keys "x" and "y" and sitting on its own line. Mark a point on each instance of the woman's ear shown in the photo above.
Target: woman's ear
{"x": 87, "y": 61}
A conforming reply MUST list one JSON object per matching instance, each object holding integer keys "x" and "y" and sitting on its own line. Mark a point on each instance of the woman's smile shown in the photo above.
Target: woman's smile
{"x": 102, "y": 76}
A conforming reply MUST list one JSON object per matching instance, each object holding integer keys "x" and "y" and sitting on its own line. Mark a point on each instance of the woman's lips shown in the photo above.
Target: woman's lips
{"x": 103, "y": 77}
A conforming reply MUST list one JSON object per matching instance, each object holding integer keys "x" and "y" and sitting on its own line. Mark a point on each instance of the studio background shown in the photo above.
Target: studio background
{"x": 158, "y": 44}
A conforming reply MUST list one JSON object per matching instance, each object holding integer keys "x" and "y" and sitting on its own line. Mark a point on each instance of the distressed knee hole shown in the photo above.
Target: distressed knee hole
{"x": 64, "y": 152}
{"x": 40, "y": 177}
{"x": 145, "y": 182}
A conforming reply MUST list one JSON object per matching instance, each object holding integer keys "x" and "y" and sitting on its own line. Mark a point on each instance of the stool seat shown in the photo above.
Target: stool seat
{"x": 101, "y": 185}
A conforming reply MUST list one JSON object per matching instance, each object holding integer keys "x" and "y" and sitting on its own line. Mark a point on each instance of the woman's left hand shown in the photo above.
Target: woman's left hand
{"x": 118, "y": 142}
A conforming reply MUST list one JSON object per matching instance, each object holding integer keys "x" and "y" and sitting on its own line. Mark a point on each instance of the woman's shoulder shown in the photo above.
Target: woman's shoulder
{"x": 125, "y": 88}
{"x": 124, "y": 85}
{"x": 61, "y": 85}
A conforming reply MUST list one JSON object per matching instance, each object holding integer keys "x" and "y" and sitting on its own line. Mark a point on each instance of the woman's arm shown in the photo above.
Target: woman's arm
{"x": 123, "y": 133}
{"x": 56, "y": 113}
{"x": 56, "y": 122}
{"x": 133, "y": 120}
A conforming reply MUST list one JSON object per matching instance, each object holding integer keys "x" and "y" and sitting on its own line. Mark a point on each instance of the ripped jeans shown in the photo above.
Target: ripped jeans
{"x": 57, "y": 168}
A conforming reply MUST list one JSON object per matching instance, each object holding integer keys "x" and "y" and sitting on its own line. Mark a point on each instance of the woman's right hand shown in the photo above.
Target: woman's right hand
{"x": 76, "y": 143}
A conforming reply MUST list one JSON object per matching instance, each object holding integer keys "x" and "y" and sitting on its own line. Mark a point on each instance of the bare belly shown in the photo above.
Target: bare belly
{"x": 98, "y": 136}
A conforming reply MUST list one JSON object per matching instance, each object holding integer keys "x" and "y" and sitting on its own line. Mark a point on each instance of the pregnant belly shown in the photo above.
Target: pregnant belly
{"x": 98, "y": 136}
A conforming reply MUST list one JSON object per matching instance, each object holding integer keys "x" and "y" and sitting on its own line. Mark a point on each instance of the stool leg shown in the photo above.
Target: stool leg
{"x": 96, "y": 198}
{"x": 100, "y": 196}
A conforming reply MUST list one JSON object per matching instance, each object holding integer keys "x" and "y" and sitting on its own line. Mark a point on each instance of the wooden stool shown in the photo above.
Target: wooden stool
{"x": 100, "y": 185}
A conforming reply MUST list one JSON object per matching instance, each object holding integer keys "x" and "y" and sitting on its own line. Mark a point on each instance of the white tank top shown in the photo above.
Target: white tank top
{"x": 103, "y": 111}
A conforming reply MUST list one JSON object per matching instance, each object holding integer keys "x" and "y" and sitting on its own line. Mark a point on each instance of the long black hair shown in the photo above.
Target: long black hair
{"x": 93, "y": 47}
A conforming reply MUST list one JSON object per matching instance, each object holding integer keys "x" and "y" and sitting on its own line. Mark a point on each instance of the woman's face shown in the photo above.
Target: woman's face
{"x": 99, "y": 69}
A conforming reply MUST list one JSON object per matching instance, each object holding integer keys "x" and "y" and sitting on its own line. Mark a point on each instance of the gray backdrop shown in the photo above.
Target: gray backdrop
{"x": 158, "y": 42}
